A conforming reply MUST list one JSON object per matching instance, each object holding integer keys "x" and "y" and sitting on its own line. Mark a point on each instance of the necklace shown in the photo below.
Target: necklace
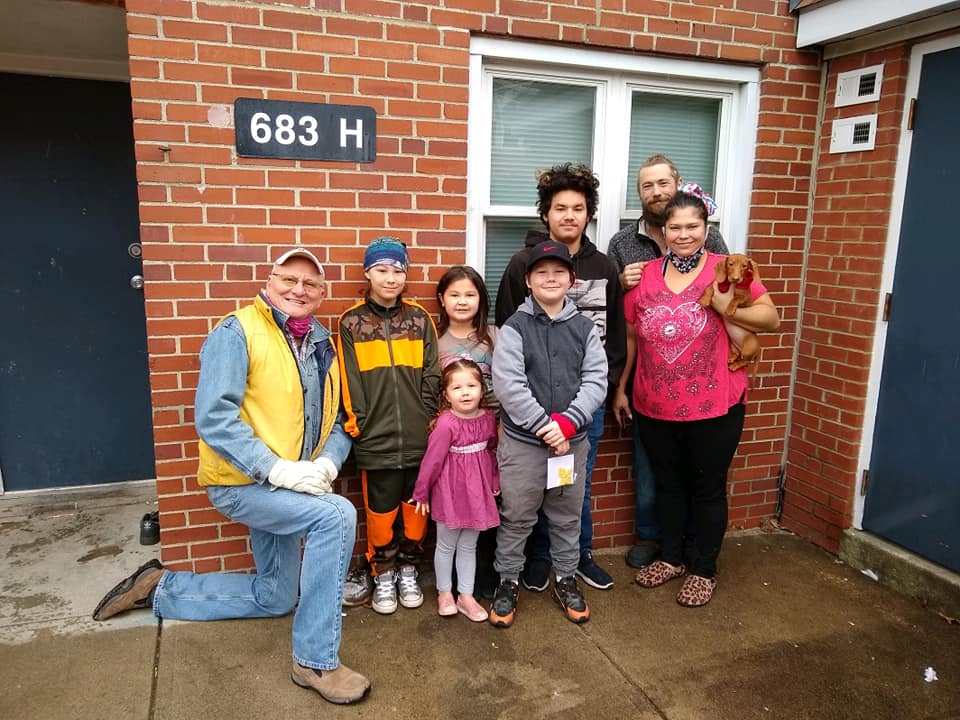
{"x": 684, "y": 264}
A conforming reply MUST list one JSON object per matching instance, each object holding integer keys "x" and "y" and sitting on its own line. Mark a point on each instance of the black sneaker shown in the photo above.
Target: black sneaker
{"x": 536, "y": 575}
{"x": 567, "y": 594}
{"x": 504, "y": 608}
{"x": 642, "y": 554}
{"x": 150, "y": 528}
{"x": 592, "y": 574}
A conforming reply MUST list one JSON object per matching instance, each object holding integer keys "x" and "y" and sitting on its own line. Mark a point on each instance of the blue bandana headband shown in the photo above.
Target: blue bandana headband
{"x": 386, "y": 251}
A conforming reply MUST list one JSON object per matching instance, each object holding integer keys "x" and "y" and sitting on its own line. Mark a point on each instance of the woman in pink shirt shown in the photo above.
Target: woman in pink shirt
{"x": 689, "y": 406}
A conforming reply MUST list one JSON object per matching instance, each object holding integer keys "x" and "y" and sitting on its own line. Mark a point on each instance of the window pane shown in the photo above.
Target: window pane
{"x": 521, "y": 145}
{"x": 505, "y": 236}
{"x": 685, "y": 129}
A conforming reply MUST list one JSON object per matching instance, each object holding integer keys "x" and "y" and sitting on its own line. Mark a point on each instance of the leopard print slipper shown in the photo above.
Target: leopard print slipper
{"x": 696, "y": 591}
{"x": 657, "y": 573}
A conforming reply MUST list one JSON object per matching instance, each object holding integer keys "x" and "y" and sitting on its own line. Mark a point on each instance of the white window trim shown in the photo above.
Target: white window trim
{"x": 739, "y": 86}
{"x": 507, "y": 71}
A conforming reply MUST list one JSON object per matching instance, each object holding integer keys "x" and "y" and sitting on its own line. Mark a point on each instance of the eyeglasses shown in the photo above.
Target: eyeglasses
{"x": 291, "y": 281}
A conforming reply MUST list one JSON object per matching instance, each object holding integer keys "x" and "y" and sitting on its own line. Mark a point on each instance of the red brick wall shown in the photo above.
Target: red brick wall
{"x": 211, "y": 221}
{"x": 848, "y": 240}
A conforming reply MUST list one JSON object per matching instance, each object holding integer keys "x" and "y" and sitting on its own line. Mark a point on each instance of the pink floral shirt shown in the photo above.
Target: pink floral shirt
{"x": 682, "y": 348}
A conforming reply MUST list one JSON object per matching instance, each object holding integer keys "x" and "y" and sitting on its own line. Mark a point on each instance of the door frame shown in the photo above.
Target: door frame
{"x": 889, "y": 263}
{"x": 42, "y": 58}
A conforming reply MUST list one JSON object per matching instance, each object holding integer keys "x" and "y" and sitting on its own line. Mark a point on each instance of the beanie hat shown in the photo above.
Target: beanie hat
{"x": 386, "y": 251}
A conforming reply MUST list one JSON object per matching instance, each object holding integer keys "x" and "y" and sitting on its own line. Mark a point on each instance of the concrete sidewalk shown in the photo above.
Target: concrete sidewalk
{"x": 791, "y": 633}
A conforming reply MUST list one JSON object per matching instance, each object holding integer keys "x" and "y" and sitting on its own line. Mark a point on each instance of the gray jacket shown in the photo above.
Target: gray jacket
{"x": 543, "y": 366}
{"x": 632, "y": 244}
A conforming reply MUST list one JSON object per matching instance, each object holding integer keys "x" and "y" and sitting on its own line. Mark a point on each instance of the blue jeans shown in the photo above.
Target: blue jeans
{"x": 648, "y": 526}
{"x": 539, "y": 537}
{"x": 277, "y": 521}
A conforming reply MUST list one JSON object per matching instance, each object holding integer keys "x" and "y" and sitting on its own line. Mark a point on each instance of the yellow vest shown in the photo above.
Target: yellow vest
{"x": 273, "y": 402}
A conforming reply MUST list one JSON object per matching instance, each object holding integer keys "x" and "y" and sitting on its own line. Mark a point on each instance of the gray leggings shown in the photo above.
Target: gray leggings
{"x": 464, "y": 543}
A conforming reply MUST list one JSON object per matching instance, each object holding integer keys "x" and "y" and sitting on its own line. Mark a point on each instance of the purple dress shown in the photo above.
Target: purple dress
{"x": 458, "y": 473}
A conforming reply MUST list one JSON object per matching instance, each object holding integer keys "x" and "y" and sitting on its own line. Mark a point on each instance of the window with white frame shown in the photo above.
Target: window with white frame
{"x": 533, "y": 106}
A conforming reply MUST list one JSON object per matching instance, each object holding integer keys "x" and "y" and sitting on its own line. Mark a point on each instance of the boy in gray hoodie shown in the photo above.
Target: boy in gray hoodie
{"x": 550, "y": 375}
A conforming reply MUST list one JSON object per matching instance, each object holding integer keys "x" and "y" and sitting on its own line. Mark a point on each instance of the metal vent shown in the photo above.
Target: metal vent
{"x": 861, "y": 133}
{"x": 868, "y": 85}
{"x": 859, "y": 86}
{"x": 854, "y": 133}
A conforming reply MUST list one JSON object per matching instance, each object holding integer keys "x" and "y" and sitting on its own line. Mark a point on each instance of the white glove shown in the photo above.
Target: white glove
{"x": 302, "y": 476}
{"x": 328, "y": 471}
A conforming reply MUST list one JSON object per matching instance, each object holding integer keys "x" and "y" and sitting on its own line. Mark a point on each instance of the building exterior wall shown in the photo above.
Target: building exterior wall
{"x": 848, "y": 242}
{"x": 211, "y": 220}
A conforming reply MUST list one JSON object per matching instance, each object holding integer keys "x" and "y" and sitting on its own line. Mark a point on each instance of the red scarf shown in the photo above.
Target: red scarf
{"x": 296, "y": 327}
{"x": 299, "y": 327}
{"x": 742, "y": 285}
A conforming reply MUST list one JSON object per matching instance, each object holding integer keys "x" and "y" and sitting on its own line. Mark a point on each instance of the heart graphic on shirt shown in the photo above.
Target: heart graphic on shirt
{"x": 672, "y": 331}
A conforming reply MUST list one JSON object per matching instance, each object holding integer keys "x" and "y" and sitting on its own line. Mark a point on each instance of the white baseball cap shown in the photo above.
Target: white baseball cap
{"x": 299, "y": 252}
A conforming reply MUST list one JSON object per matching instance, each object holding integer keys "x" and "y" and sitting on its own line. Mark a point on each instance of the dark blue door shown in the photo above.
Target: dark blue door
{"x": 913, "y": 496}
{"x": 74, "y": 392}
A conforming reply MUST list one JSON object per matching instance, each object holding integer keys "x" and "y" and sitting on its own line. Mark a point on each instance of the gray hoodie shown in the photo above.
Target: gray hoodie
{"x": 543, "y": 366}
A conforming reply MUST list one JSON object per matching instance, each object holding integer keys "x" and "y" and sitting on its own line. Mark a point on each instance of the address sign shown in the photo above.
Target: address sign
{"x": 305, "y": 131}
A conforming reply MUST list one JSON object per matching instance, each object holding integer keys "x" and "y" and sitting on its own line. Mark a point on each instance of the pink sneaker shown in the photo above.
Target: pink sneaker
{"x": 468, "y": 605}
{"x": 445, "y": 604}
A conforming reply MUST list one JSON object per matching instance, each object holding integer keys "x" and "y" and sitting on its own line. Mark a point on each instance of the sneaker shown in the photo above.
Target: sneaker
{"x": 592, "y": 574}
{"x": 411, "y": 596}
{"x": 536, "y": 575}
{"x": 446, "y": 605}
{"x": 504, "y": 607}
{"x": 642, "y": 554}
{"x": 567, "y": 594}
{"x": 150, "y": 528}
{"x": 357, "y": 588}
{"x": 467, "y": 605}
{"x": 385, "y": 592}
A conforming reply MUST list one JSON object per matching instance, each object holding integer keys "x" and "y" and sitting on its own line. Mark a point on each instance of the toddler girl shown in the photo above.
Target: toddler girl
{"x": 457, "y": 482}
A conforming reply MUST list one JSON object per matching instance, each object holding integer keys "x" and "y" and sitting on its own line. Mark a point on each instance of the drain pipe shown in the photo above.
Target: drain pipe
{"x": 781, "y": 486}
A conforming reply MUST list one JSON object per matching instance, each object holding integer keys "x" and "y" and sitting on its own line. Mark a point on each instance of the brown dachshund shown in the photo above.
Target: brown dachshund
{"x": 740, "y": 271}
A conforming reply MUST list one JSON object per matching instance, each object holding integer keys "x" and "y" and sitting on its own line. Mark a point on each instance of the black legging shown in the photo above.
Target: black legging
{"x": 690, "y": 461}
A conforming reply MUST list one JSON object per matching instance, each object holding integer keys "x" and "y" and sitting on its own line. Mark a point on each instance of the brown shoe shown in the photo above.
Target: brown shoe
{"x": 132, "y": 592}
{"x": 341, "y": 685}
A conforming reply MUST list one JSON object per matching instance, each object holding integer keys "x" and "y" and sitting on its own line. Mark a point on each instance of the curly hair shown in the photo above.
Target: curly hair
{"x": 568, "y": 176}
{"x": 448, "y": 370}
